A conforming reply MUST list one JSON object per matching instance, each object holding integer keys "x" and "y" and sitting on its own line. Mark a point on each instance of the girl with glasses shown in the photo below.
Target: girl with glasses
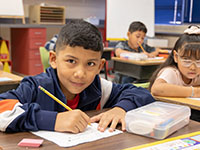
{"x": 179, "y": 76}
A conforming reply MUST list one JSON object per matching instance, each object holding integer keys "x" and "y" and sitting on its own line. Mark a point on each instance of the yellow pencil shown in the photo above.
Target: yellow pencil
{"x": 141, "y": 47}
{"x": 54, "y": 98}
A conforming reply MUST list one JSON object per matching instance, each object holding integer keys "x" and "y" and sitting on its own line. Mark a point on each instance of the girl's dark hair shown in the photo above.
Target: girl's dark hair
{"x": 80, "y": 33}
{"x": 137, "y": 26}
{"x": 188, "y": 45}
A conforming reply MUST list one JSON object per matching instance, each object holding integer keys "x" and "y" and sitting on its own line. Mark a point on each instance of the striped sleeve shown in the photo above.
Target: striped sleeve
{"x": 51, "y": 45}
{"x": 9, "y": 110}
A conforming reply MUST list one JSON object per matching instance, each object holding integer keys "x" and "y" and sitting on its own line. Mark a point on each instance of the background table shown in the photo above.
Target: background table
{"x": 193, "y": 104}
{"x": 139, "y": 69}
{"x": 11, "y": 84}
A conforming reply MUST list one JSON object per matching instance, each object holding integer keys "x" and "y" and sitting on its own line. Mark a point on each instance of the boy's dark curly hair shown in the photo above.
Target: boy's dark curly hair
{"x": 80, "y": 33}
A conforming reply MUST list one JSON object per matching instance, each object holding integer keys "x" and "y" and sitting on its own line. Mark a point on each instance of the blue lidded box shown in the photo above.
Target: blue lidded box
{"x": 157, "y": 120}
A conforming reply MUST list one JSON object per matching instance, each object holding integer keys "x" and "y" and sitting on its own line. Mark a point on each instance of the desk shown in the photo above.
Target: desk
{"x": 11, "y": 84}
{"x": 120, "y": 141}
{"x": 141, "y": 70}
{"x": 193, "y": 104}
{"x": 107, "y": 52}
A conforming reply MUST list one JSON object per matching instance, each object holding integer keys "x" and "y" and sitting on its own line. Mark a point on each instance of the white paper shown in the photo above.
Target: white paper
{"x": 195, "y": 99}
{"x": 5, "y": 79}
{"x": 155, "y": 58}
{"x": 69, "y": 139}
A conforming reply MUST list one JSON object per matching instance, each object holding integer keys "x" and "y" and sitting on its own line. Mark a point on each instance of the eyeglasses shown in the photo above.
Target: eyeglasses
{"x": 194, "y": 26}
{"x": 189, "y": 62}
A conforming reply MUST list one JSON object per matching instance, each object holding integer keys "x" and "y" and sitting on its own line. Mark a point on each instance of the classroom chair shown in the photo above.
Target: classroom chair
{"x": 44, "y": 55}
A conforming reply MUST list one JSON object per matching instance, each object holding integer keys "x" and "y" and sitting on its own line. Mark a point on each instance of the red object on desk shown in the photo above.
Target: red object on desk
{"x": 163, "y": 55}
{"x": 30, "y": 142}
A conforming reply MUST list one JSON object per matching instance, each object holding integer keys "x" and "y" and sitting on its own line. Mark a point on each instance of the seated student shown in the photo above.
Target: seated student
{"x": 136, "y": 34}
{"x": 51, "y": 45}
{"x": 179, "y": 76}
{"x": 73, "y": 78}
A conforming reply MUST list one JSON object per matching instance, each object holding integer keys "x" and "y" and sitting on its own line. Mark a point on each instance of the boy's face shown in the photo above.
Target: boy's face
{"x": 134, "y": 38}
{"x": 76, "y": 68}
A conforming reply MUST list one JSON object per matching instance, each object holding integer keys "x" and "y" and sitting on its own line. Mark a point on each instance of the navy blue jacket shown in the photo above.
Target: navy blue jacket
{"x": 29, "y": 109}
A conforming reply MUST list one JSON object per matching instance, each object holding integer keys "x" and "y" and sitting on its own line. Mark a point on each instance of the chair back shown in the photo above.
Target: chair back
{"x": 44, "y": 55}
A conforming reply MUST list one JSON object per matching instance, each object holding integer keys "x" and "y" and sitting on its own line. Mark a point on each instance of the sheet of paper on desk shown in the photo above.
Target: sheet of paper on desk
{"x": 69, "y": 139}
{"x": 155, "y": 58}
{"x": 5, "y": 79}
{"x": 195, "y": 99}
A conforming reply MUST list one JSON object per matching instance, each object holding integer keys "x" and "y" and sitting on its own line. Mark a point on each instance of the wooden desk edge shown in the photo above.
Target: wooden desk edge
{"x": 139, "y": 62}
{"x": 194, "y": 104}
{"x": 15, "y": 78}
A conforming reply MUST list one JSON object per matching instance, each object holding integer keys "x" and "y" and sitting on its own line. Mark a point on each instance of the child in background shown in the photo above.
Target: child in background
{"x": 136, "y": 34}
{"x": 179, "y": 76}
{"x": 73, "y": 78}
{"x": 51, "y": 45}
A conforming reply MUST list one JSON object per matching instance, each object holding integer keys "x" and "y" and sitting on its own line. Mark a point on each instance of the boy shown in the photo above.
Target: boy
{"x": 72, "y": 78}
{"x": 136, "y": 34}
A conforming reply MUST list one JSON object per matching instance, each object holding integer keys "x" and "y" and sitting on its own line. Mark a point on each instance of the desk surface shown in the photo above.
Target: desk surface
{"x": 15, "y": 78}
{"x": 140, "y": 62}
{"x": 120, "y": 141}
{"x": 141, "y": 70}
{"x": 108, "y": 49}
{"x": 194, "y": 104}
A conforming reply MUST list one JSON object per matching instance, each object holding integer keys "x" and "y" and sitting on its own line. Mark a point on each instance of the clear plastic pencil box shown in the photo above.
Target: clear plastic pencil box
{"x": 157, "y": 120}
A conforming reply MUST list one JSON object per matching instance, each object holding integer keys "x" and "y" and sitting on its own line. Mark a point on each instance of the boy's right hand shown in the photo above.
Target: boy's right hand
{"x": 74, "y": 121}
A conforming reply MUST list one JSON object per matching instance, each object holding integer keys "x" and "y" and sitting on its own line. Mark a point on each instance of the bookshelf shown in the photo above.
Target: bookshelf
{"x": 46, "y": 15}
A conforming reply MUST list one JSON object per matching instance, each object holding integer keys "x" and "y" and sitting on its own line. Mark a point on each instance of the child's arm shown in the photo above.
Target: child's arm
{"x": 123, "y": 97}
{"x": 154, "y": 53}
{"x": 23, "y": 109}
{"x": 162, "y": 88}
{"x": 74, "y": 121}
{"x": 118, "y": 51}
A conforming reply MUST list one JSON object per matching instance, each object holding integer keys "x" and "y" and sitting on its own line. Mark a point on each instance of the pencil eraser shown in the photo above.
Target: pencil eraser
{"x": 30, "y": 142}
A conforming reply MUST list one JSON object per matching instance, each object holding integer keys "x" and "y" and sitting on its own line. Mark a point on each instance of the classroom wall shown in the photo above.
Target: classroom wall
{"x": 86, "y": 8}
{"x": 74, "y": 8}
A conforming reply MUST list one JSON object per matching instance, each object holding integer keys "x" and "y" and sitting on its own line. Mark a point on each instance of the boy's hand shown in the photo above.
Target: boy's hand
{"x": 113, "y": 116}
{"x": 150, "y": 55}
{"x": 74, "y": 121}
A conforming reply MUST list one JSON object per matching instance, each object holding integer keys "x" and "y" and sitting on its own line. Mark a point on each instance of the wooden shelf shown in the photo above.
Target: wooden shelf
{"x": 47, "y": 15}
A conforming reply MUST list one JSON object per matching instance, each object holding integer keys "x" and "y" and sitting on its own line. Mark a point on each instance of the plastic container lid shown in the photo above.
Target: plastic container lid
{"x": 157, "y": 119}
